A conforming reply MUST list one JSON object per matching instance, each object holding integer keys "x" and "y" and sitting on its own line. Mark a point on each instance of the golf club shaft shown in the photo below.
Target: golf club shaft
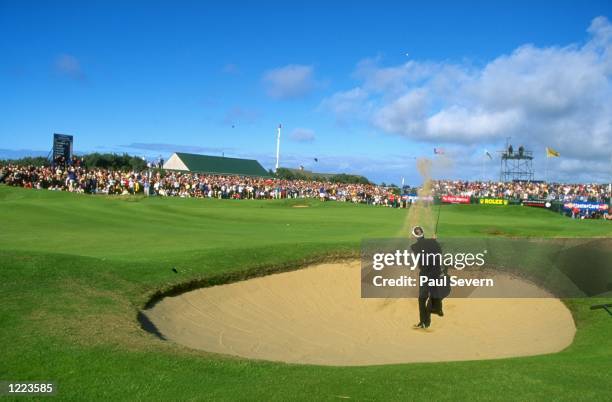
{"x": 437, "y": 220}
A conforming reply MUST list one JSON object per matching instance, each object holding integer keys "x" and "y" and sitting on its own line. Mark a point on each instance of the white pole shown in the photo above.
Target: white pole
{"x": 278, "y": 147}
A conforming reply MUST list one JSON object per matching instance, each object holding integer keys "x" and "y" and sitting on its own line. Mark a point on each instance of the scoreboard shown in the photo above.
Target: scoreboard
{"x": 62, "y": 146}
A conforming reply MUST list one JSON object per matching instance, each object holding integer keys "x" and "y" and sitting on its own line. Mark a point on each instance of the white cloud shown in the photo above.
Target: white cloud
{"x": 472, "y": 125}
{"x": 406, "y": 114}
{"x": 347, "y": 104}
{"x": 559, "y": 96}
{"x": 291, "y": 81}
{"x": 302, "y": 135}
{"x": 394, "y": 79}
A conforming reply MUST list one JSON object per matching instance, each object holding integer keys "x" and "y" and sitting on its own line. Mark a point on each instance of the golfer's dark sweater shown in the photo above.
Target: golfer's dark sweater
{"x": 430, "y": 266}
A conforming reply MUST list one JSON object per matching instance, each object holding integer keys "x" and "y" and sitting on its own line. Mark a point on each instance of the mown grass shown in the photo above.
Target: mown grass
{"x": 76, "y": 270}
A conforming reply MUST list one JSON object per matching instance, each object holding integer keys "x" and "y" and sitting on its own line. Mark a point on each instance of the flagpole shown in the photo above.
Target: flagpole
{"x": 546, "y": 170}
{"x": 278, "y": 147}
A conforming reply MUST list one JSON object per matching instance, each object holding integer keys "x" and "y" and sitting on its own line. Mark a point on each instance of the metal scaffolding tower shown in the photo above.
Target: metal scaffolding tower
{"x": 516, "y": 164}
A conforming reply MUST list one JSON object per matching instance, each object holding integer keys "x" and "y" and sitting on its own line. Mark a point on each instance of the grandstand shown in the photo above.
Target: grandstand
{"x": 215, "y": 165}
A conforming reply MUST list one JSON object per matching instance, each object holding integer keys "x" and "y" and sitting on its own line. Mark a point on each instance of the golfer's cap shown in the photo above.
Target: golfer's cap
{"x": 417, "y": 231}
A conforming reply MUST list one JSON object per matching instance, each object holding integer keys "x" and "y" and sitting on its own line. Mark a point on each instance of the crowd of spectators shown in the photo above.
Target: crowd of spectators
{"x": 536, "y": 190}
{"x": 525, "y": 190}
{"x": 75, "y": 178}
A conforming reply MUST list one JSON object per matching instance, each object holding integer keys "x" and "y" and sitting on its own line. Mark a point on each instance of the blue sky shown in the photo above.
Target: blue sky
{"x": 363, "y": 88}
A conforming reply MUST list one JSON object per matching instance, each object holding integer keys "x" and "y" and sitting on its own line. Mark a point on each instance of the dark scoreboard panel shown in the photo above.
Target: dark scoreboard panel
{"x": 62, "y": 146}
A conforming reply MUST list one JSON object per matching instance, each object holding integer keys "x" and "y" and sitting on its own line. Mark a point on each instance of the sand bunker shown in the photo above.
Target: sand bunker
{"x": 316, "y": 316}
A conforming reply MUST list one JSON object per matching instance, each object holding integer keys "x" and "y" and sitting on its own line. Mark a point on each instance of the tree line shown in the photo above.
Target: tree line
{"x": 343, "y": 178}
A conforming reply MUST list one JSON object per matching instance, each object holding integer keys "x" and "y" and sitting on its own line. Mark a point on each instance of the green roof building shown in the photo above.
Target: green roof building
{"x": 216, "y": 165}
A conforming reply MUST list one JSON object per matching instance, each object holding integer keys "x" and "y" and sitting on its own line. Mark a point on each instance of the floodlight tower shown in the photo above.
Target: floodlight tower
{"x": 278, "y": 146}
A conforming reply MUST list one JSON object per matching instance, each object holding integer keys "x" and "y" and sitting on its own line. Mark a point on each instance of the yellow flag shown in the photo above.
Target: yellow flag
{"x": 551, "y": 153}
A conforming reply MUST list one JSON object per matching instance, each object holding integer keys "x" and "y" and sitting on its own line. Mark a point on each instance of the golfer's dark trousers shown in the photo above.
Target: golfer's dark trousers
{"x": 427, "y": 304}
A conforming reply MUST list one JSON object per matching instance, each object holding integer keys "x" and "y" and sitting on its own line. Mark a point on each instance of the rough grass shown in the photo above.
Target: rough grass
{"x": 76, "y": 270}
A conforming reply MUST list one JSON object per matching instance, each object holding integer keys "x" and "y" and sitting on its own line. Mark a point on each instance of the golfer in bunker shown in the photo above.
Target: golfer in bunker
{"x": 430, "y": 267}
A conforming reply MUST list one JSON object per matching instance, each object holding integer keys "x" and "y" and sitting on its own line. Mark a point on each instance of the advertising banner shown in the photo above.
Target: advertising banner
{"x": 537, "y": 203}
{"x": 456, "y": 199}
{"x": 415, "y": 198}
{"x": 493, "y": 201}
{"x": 583, "y": 206}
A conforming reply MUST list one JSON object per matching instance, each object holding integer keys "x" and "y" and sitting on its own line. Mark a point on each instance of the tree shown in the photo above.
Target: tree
{"x": 114, "y": 161}
{"x": 290, "y": 174}
{"x": 27, "y": 161}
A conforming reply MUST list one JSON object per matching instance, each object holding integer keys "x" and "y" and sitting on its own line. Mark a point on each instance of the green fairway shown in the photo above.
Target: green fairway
{"x": 77, "y": 269}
